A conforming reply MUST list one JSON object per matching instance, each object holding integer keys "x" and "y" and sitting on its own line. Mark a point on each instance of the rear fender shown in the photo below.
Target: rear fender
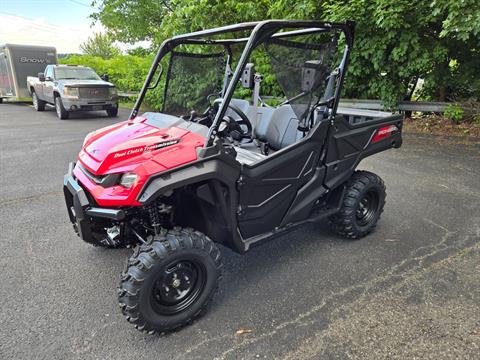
{"x": 349, "y": 143}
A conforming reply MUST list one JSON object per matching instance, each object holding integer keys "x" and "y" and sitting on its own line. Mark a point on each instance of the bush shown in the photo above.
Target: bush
{"x": 127, "y": 72}
{"x": 454, "y": 113}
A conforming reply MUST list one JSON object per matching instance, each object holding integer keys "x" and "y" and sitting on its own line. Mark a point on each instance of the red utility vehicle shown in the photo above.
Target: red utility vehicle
{"x": 214, "y": 168}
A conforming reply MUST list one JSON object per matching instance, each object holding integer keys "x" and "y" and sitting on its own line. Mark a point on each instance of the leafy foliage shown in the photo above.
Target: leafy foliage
{"x": 397, "y": 41}
{"x": 127, "y": 72}
{"x": 100, "y": 45}
{"x": 454, "y": 112}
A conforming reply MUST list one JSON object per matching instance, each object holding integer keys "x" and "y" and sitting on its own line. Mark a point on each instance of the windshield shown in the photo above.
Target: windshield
{"x": 193, "y": 78}
{"x": 75, "y": 73}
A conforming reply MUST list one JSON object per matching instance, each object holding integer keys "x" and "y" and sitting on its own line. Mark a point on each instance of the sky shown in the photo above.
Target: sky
{"x": 61, "y": 23}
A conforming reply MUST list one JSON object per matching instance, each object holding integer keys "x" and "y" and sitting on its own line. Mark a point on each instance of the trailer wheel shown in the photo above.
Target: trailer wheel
{"x": 62, "y": 113}
{"x": 38, "y": 104}
{"x": 169, "y": 281}
{"x": 362, "y": 205}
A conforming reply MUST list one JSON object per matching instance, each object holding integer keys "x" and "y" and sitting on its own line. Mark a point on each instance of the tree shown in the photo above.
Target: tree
{"x": 100, "y": 45}
{"x": 130, "y": 21}
{"x": 397, "y": 41}
{"x": 140, "y": 51}
{"x": 153, "y": 20}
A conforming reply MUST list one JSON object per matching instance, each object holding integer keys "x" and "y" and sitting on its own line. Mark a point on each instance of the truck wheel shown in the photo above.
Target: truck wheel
{"x": 38, "y": 104}
{"x": 169, "y": 281}
{"x": 362, "y": 205}
{"x": 113, "y": 112}
{"x": 1, "y": 100}
{"x": 61, "y": 112}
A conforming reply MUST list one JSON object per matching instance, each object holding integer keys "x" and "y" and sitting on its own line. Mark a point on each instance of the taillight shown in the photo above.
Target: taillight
{"x": 384, "y": 132}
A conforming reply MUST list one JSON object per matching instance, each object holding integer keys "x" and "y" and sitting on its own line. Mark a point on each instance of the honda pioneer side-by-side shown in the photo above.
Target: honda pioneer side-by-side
{"x": 227, "y": 161}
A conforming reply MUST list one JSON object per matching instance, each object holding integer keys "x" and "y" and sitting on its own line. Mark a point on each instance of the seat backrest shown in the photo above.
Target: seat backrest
{"x": 277, "y": 126}
{"x": 282, "y": 128}
{"x": 259, "y": 117}
{"x": 242, "y": 104}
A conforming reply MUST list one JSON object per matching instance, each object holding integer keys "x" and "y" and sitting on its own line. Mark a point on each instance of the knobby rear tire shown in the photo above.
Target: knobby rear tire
{"x": 353, "y": 221}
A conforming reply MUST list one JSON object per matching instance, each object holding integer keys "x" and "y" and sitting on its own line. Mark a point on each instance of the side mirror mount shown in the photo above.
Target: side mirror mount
{"x": 248, "y": 75}
{"x": 41, "y": 77}
{"x": 105, "y": 77}
{"x": 311, "y": 75}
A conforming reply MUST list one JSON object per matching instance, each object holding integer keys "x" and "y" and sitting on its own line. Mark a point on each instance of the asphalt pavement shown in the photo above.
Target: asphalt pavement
{"x": 409, "y": 290}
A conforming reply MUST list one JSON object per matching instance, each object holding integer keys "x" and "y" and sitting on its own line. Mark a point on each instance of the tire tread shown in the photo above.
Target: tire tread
{"x": 144, "y": 258}
{"x": 344, "y": 221}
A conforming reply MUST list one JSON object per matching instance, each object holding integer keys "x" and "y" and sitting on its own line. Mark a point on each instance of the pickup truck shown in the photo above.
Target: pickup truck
{"x": 72, "y": 88}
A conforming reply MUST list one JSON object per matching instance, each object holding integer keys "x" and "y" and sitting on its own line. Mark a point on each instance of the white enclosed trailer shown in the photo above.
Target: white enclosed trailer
{"x": 19, "y": 61}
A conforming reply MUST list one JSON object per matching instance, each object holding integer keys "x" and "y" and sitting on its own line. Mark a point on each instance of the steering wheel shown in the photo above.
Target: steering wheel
{"x": 243, "y": 119}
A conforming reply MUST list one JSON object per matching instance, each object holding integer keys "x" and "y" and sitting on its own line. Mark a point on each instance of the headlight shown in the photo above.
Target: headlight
{"x": 128, "y": 179}
{"x": 112, "y": 91}
{"x": 70, "y": 91}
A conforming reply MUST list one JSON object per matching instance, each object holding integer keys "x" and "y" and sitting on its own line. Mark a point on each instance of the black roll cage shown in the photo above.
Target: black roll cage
{"x": 259, "y": 31}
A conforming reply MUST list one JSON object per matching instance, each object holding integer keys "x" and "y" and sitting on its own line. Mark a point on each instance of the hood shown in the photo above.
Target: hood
{"x": 131, "y": 144}
{"x": 86, "y": 83}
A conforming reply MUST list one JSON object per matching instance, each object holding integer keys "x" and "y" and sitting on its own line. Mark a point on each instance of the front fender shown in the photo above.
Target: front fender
{"x": 221, "y": 168}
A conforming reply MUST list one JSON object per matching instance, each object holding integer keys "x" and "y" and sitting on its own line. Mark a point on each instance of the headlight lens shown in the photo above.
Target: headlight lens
{"x": 112, "y": 91}
{"x": 128, "y": 179}
{"x": 70, "y": 91}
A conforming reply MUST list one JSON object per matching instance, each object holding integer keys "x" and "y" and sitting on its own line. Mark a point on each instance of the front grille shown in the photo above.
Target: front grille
{"x": 94, "y": 93}
{"x": 95, "y": 178}
{"x": 102, "y": 180}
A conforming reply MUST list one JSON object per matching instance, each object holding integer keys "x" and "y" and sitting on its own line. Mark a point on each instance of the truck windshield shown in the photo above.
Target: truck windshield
{"x": 74, "y": 73}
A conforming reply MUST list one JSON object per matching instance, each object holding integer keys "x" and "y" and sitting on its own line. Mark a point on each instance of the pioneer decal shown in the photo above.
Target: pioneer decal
{"x": 384, "y": 132}
{"x": 146, "y": 148}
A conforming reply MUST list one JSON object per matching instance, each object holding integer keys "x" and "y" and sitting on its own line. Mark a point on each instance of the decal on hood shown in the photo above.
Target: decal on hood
{"x": 146, "y": 148}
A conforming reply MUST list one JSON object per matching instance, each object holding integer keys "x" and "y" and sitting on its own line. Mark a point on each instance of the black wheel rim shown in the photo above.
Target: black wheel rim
{"x": 367, "y": 208}
{"x": 178, "y": 286}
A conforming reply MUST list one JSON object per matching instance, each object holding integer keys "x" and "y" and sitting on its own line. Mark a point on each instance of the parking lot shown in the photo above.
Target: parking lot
{"x": 410, "y": 289}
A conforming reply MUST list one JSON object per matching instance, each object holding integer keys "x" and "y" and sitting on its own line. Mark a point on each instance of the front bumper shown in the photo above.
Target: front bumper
{"x": 81, "y": 211}
{"x": 75, "y": 104}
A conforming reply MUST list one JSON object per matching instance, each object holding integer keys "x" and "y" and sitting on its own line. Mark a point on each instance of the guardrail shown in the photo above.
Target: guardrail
{"x": 127, "y": 94}
{"x": 420, "y": 106}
